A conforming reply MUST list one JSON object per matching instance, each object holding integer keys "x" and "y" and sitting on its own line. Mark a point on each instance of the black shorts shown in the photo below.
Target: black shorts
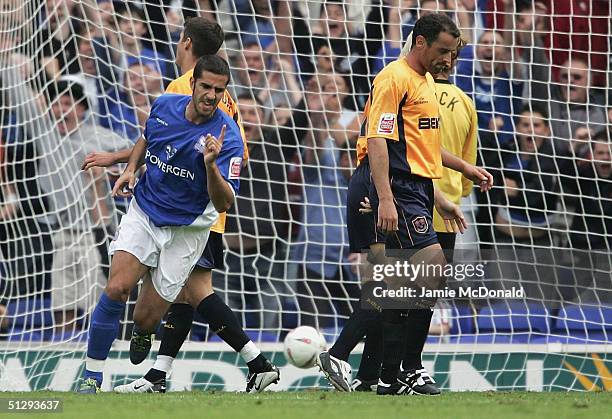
{"x": 212, "y": 256}
{"x": 414, "y": 201}
{"x": 361, "y": 227}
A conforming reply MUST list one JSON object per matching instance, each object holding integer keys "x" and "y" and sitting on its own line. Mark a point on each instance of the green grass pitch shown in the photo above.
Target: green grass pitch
{"x": 325, "y": 405}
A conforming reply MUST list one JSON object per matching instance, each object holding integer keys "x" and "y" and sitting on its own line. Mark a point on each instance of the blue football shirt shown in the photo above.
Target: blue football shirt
{"x": 173, "y": 191}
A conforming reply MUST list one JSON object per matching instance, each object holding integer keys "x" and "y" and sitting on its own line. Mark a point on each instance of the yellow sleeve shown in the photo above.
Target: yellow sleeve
{"x": 383, "y": 114}
{"x": 469, "y": 148}
{"x": 178, "y": 88}
{"x": 238, "y": 119}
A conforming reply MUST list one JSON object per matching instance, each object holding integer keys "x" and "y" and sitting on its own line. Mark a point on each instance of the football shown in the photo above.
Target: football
{"x": 302, "y": 345}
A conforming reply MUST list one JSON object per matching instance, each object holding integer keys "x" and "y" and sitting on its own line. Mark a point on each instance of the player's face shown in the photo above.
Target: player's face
{"x": 437, "y": 56}
{"x": 531, "y": 131}
{"x": 208, "y": 90}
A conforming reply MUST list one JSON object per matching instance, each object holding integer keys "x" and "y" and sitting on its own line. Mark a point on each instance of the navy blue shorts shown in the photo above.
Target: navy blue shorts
{"x": 361, "y": 227}
{"x": 414, "y": 200}
{"x": 212, "y": 257}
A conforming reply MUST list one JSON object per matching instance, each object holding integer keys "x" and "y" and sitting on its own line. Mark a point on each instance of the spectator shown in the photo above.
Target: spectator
{"x": 78, "y": 200}
{"x": 257, "y": 224}
{"x": 579, "y": 29}
{"x": 350, "y": 51}
{"x": 132, "y": 30}
{"x": 28, "y": 258}
{"x": 588, "y": 189}
{"x": 321, "y": 246}
{"x": 94, "y": 74}
{"x": 271, "y": 79}
{"x": 125, "y": 108}
{"x": 573, "y": 104}
{"x": 255, "y": 22}
{"x": 522, "y": 223}
{"x": 529, "y": 179}
{"x": 497, "y": 97}
{"x": 59, "y": 49}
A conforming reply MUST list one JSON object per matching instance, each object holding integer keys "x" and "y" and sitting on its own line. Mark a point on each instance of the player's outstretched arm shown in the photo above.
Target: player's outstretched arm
{"x": 451, "y": 213}
{"x": 106, "y": 159}
{"x": 478, "y": 175}
{"x": 124, "y": 186}
{"x": 219, "y": 190}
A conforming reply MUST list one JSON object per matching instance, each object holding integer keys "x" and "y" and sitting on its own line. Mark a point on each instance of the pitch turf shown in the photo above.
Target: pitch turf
{"x": 326, "y": 405}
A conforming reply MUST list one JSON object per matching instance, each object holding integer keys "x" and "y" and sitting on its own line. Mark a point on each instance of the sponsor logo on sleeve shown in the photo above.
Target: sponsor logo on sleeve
{"x": 386, "y": 124}
{"x": 234, "y": 168}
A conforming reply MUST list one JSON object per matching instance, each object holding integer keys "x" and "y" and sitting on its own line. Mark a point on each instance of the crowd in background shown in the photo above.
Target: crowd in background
{"x": 80, "y": 76}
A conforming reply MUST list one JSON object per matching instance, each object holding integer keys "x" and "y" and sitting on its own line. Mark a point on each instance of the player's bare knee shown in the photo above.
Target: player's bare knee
{"x": 117, "y": 290}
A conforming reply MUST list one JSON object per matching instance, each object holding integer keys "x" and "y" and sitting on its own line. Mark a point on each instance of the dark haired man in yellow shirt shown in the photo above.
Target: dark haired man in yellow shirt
{"x": 400, "y": 155}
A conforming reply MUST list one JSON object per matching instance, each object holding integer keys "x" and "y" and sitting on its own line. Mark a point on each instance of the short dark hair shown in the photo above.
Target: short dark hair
{"x": 432, "y": 25}
{"x": 536, "y": 108}
{"x": 206, "y": 36}
{"x": 213, "y": 64}
{"x": 70, "y": 88}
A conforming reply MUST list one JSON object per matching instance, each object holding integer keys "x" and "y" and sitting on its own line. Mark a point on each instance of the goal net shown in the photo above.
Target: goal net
{"x": 79, "y": 76}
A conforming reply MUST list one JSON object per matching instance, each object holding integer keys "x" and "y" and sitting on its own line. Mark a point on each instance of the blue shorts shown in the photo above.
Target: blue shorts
{"x": 361, "y": 227}
{"x": 212, "y": 256}
{"x": 414, "y": 201}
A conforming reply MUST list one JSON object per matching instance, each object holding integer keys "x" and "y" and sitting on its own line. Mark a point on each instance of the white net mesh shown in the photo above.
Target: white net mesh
{"x": 79, "y": 76}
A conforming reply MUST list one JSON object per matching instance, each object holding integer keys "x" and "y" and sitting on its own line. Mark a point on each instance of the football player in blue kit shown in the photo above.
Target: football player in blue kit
{"x": 193, "y": 155}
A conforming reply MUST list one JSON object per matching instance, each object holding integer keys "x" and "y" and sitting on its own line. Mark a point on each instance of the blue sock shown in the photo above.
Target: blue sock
{"x": 93, "y": 374}
{"x": 102, "y": 332}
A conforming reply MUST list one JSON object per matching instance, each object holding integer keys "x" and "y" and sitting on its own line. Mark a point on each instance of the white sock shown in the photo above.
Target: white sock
{"x": 163, "y": 363}
{"x": 94, "y": 365}
{"x": 249, "y": 352}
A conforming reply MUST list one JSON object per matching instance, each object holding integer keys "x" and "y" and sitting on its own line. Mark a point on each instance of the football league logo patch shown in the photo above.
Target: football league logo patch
{"x": 234, "y": 168}
{"x": 170, "y": 151}
{"x": 386, "y": 124}
{"x": 420, "y": 224}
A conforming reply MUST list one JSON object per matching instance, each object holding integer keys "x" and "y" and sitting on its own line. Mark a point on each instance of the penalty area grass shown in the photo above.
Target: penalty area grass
{"x": 323, "y": 405}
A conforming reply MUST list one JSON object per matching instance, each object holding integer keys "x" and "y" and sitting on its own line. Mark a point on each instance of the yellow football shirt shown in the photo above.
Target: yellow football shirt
{"x": 403, "y": 109}
{"x": 182, "y": 86}
{"x": 458, "y": 132}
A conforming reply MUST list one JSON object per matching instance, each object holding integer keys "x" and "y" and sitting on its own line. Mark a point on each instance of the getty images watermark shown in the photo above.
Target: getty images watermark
{"x": 416, "y": 279}
{"x": 423, "y": 280}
